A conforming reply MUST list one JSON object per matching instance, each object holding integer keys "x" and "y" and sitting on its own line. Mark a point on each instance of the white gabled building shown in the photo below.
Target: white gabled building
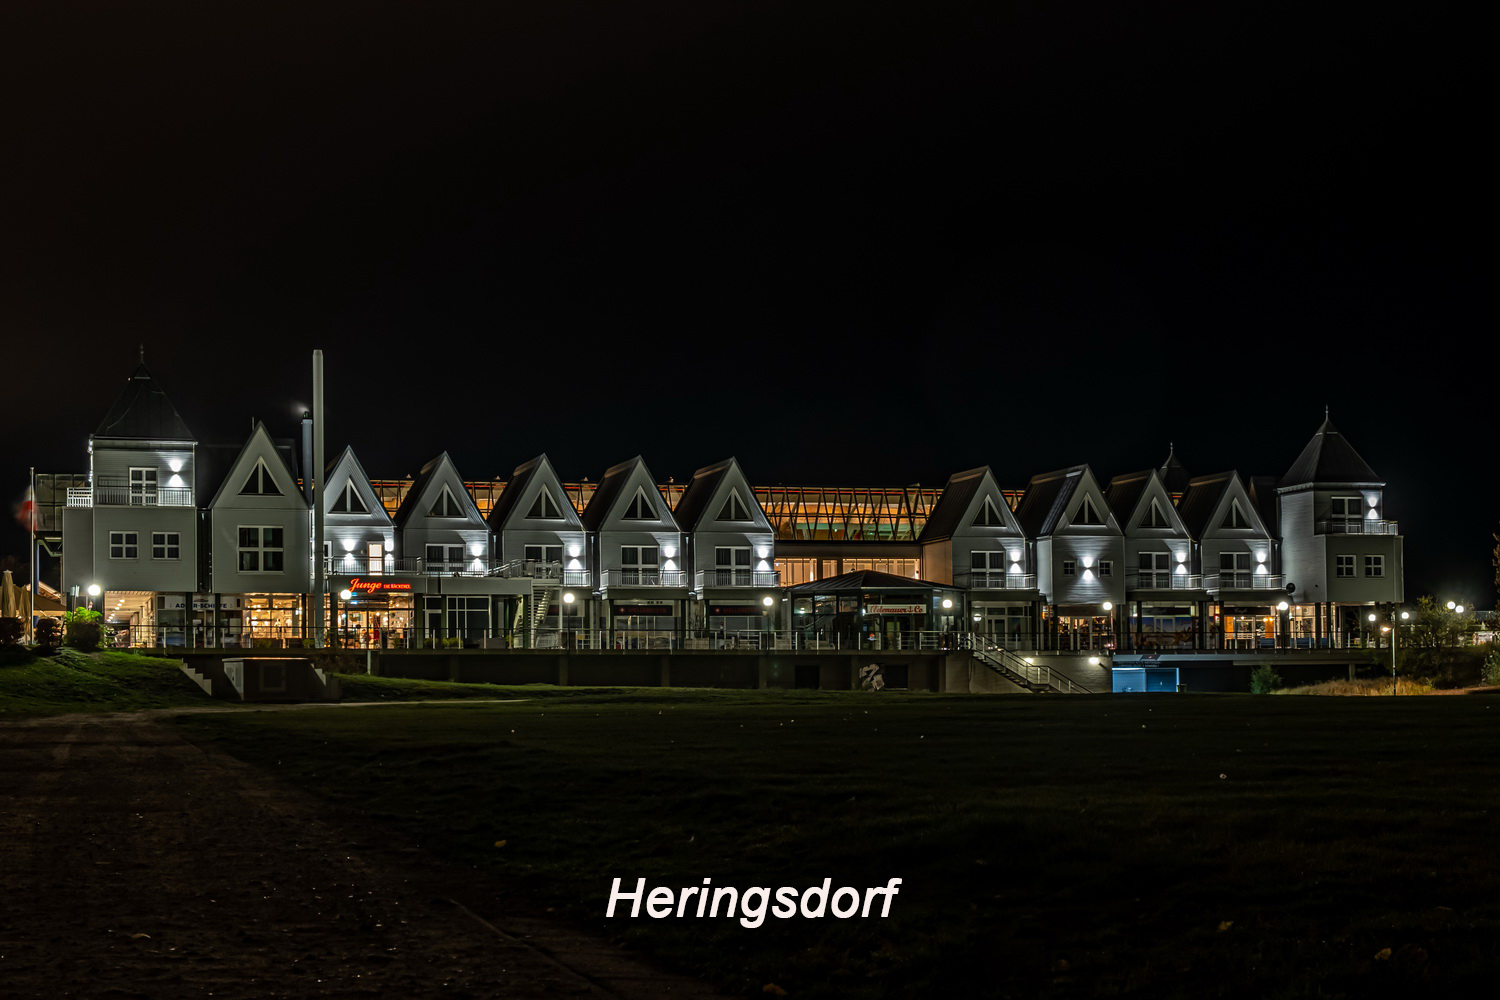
{"x": 638, "y": 557}
{"x": 730, "y": 552}
{"x": 1165, "y": 599}
{"x": 1079, "y": 556}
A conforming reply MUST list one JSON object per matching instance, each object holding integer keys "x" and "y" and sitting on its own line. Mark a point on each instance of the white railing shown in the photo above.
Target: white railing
{"x": 994, "y": 579}
{"x": 124, "y": 496}
{"x": 1162, "y": 579}
{"x": 1357, "y": 526}
{"x": 644, "y": 577}
{"x": 1244, "y": 580}
{"x": 736, "y": 578}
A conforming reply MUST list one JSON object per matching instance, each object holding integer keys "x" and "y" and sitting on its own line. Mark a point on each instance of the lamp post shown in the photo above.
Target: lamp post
{"x": 1282, "y": 625}
{"x": 94, "y": 592}
{"x": 564, "y": 608}
{"x": 1391, "y": 628}
{"x": 1109, "y": 609}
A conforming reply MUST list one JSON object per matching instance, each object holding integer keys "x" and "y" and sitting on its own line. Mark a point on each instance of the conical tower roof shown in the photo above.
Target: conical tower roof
{"x": 144, "y": 412}
{"x": 1174, "y": 475}
{"x": 1329, "y": 458}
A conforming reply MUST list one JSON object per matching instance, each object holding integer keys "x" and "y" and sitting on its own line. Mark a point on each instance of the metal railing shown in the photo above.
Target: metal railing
{"x": 1162, "y": 579}
{"x": 550, "y": 570}
{"x": 736, "y": 578}
{"x": 1244, "y": 580}
{"x": 1357, "y": 526}
{"x": 994, "y": 579}
{"x": 125, "y": 496}
{"x": 643, "y": 577}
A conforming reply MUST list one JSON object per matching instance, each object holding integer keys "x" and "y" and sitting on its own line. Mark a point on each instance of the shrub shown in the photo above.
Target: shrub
{"x": 82, "y": 629}
{"x": 11, "y": 631}
{"x": 1491, "y": 671}
{"x": 48, "y": 635}
{"x": 1264, "y": 679}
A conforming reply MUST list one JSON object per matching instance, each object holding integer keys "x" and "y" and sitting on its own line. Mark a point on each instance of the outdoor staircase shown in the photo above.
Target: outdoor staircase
{"x": 1028, "y": 676}
{"x": 543, "y": 597}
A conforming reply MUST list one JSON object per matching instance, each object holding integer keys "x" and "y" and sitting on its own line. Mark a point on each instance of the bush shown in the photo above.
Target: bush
{"x": 11, "y": 631}
{"x": 82, "y": 629}
{"x": 1264, "y": 679}
{"x": 48, "y": 635}
{"x": 1491, "y": 672}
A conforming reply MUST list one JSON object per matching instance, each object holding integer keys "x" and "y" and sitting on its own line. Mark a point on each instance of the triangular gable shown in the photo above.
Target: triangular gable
{"x": 349, "y": 492}
{"x": 1087, "y": 511}
{"x": 719, "y": 495}
{"x": 971, "y": 502}
{"x": 544, "y": 507}
{"x": 438, "y": 494}
{"x": 1153, "y": 509}
{"x": 1235, "y": 511}
{"x": 626, "y": 492}
{"x": 260, "y": 469}
{"x": 518, "y": 504}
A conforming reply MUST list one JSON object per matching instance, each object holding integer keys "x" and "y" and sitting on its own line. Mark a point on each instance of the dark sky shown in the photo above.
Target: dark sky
{"x": 846, "y": 242}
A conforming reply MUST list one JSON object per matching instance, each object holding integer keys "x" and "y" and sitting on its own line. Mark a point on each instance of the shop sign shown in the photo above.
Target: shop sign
{"x": 201, "y": 602}
{"x": 644, "y": 610}
{"x": 896, "y": 609}
{"x": 735, "y": 609}
{"x": 377, "y": 586}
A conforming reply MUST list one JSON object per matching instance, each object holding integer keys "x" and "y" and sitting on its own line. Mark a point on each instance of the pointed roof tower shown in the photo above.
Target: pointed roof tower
{"x": 1174, "y": 475}
{"x": 143, "y": 412}
{"x": 1330, "y": 459}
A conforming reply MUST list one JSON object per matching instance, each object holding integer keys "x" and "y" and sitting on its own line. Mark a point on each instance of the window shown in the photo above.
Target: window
{"x": 640, "y": 509}
{"x": 546, "y": 560}
{"x": 262, "y": 549}
{"x": 1158, "y": 517}
{"x": 1374, "y": 566}
{"x": 1070, "y": 567}
{"x": 1106, "y": 568}
{"x": 445, "y": 558}
{"x": 732, "y": 566}
{"x": 349, "y": 501}
{"x": 1343, "y": 566}
{"x": 1155, "y": 569}
{"x": 124, "y": 545}
{"x": 1087, "y": 512}
{"x": 989, "y": 515}
{"x": 638, "y": 564}
{"x": 166, "y": 545}
{"x": 988, "y": 567}
{"x": 734, "y": 509}
{"x": 1235, "y": 516}
{"x": 1347, "y": 514}
{"x": 260, "y": 482}
{"x": 376, "y": 554}
{"x": 446, "y": 505}
{"x": 1234, "y": 569}
{"x": 544, "y": 507}
{"x": 142, "y": 487}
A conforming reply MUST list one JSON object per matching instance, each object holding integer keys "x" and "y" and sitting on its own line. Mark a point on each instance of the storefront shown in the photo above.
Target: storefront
{"x": 870, "y": 610}
{"x": 379, "y": 613}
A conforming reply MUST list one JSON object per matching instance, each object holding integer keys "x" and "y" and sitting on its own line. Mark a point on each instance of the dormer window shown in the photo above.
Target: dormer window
{"x": 641, "y": 508}
{"x": 734, "y": 509}
{"x": 1088, "y": 513}
{"x": 544, "y": 508}
{"x": 260, "y": 482}
{"x": 989, "y": 515}
{"x": 349, "y": 501}
{"x": 446, "y": 505}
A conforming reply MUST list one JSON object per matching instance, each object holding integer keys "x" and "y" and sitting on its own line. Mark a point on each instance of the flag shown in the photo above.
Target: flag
{"x": 26, "y": 510}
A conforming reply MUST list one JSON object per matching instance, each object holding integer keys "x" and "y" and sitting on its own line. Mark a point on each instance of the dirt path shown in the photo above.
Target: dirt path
{"x": 136, "y": 864}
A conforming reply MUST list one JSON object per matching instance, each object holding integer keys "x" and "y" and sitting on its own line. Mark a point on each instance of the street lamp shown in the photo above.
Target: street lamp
{"x": 94, "y": 592}
{"x": 1109, "y": 608}
{"x": 1391, "y": 628}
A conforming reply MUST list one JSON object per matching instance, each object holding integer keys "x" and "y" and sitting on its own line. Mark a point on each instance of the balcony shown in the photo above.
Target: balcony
{"x": 551, "y": 571}
{"x": 736, "y": 578}
{"x": 105, "y": 495}
{"x": 1162, "y": 579}
{"x": 996, "y": 579}
{"x": 1357, "y": 526}
{"x": 355, "y": 564}
{"x": 1244, "y": 580}
{"x": 642, "y": 577}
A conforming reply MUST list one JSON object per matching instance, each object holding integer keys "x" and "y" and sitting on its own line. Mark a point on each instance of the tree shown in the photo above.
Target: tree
{"x": 1434, "y": 626}
{"x": 82, "y": 629}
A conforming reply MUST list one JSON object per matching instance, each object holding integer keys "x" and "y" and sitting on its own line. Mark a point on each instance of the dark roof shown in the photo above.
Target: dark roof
{"x": 1329, "y": 458}
{"x": 1046, "y": 498}
{"x": 866, "y": 579}
{"x": 1174, "y": 475}
{"x": 1201, "y": 500}
{"x": 1124, "y": 492}
{"x": 1262, "y": 491}
{"x": 947, "y": 514}
{"x": 143, "y": 411}
{"x": 609, "y": 488}
{"x": 211, "y": 463}
{"x": 693, "y": 504}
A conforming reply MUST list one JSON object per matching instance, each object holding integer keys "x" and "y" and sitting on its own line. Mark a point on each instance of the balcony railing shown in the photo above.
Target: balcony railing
{"x": 551, "y": 571}
{"x": 737, "y": 578}
{"x": 996, "y": 579}
{"x": 1162, "y": 579}
{"x": 643, "y": 577}
{"x": 1357, "y": 526}
{"x": 1244, "y": 580}
{"x": 124, "y": 496}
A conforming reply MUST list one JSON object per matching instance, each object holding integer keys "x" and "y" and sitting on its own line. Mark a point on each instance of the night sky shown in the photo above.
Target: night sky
{"x": 848, "y": 243}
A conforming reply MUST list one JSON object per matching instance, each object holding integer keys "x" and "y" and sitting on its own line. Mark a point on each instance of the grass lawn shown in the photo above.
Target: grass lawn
{"x": 1157, "y": 846}
{"x": 105, "y": 681}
